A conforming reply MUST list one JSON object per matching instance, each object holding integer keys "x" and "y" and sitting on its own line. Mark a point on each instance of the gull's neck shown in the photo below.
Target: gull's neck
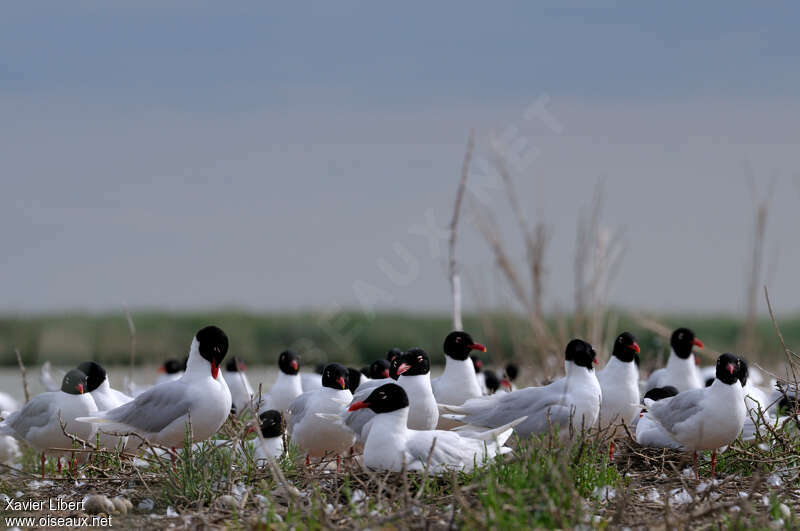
{"x": 461, "y": 371}
{"x": 418, "y": 383}
{"x": 678, "y": 363}
{"x": 197, "y": 367}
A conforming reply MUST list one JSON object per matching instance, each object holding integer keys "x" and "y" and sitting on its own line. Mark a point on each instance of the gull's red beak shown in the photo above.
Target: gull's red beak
{"x": 341, "y": 383}
{"x": 730, "y": 368}
{"x": 635, "y": 348}
{"x": 385, "y": 373}
{"x": 242, "y": 366}
{"x": 699, "y": 344}
{"x": 251, "y": 429}
{"x": 403, "y": 368}
{"x": 214, "y": 369}
{"x": 80, "y": 388}
{"x": 505, "y": 383}
{"x": 162, "y": 369}
{"x": 357, "y": 405}
{"x": 477, "y": 346}
{"x": 479, "y": 364}
{"x": 595, "y": 361}
{"x": 294, "y": 365}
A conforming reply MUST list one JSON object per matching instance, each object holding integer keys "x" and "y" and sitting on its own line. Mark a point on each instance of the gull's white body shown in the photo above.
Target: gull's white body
{"x": 457, "y": 384}
{"x": 702, "y": 419}
{"x": 309, "y": 428}
{"x": 391, "y": 446}
{"x": 240, "y": 389}
{"x": 267, "y": 447}
{"x": 162, "y": 413}
{"x": 650, "y": 433}
{"x": 105, "y": 398}
{"x": 9, "y": 450}
{"x": 284, "y": 391}
{"x": 679, "y": 373}
{"x": 574, "y": 398}
{"x": 619, "y": 382}
{"x": 37, "y": 422}
{"x": 312, "y": 381}
{"x": 8, "y": 403}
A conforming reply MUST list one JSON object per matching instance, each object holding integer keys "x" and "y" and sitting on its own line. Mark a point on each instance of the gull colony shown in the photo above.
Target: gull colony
{"x": 392, "y": 415}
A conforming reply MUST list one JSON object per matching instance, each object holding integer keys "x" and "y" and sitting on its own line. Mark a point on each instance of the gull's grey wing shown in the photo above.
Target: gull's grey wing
{"x": 153, "y": 410}
{"x": 35, "y": 414}
{"x": 297, "y": 410}
{"x": 672, "y": 411}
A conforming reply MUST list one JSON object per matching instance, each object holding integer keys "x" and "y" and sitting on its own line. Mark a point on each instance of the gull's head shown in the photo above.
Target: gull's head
{"x": 271, "y": 424}
{"x": 660, "y": 393}
{"x": 385, "y": 399}
{"x": 393, "y": 353}
{"x": 682, "y": 342}
{"x": 744, "y": 371}
{"x": 477, "y": 363}
{"x": 626, "y": 349}
{"x": 212, "y": 345}
{"x": 95, "y": 375}
{"x": 581, "y": 354}
{"x": 512, "y": 371}
{"x": 415, "y": 362}
{"x": 491, "y": 381}
{"x": 353, "y": 379}
{"x": 74, "y": 382}
{"x": 289, "y": 362}
{"x": 335, "y": 376}
{"x": 729, "y": 369}
{"x": 379, "y": 369}
{"x": 172, "y": 366}
{"x": 458, "y": 345}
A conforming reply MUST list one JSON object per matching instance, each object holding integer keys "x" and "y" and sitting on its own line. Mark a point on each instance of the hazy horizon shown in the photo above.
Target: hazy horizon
{"x": 274, "y": 157}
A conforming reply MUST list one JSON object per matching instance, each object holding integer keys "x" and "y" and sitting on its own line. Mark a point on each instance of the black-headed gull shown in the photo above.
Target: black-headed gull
{"x": 105, "y": 397}
{"x": 236, "y": 377}
{"x": 705, "y": 418}
{"x": 648, "y": 431}
{"x": 354, "y": 379}
{"x": 390, "y": 356}
{"x": 574, "y": 398}
{"x": 458, "y": 383}
{"x": 619, "y": 381}
{"x": 170, "y": 370}
{"x": 270, "y": 444}
{"x": 511, "y": 373}
{"x": 413, "y": 369}
{"x": 288, "y": 386}
{"x": 37, "y": 423}
{"x": 681, "y": 371}
{"x": 477, "y": 364}
{"x": 308, "y": 426}
{"x": 200, "y": 397}
{"x": 392, "y": 446}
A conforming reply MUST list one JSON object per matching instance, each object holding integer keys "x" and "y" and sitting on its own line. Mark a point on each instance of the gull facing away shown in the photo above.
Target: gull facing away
{"x": 105, "y": 397}
{"x": 706, "y": 418}
{"x": 288, "y": 385}
{"x": 574, "y": 399}
{"x": 37, "y": 423}
{"x": 200, "y": 397}
{"x": 392, "y": 446}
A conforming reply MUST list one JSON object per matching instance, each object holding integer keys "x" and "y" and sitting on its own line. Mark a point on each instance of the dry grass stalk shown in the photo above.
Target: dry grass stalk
{"x": 455, "y": 281}
{"x": 24, "y": 375}
{"x": 132, "y": 331}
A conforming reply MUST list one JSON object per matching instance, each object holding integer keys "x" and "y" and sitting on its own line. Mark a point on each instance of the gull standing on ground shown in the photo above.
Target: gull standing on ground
{"x": 392, "y": 446}
{"x": 200, "y": 397}
{"x": 681, "y": 371}
{"x": 288, "y": 386}
{"x": 705, "y": 418}
{"x": 37, "y": 423}
{"x": 619, "y": 382}
{"x": 574, "y": 398}
{"x": 458, "y": 383}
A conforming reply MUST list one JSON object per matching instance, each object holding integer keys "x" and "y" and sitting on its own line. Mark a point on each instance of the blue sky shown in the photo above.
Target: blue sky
{"x": 272, "y": 156}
